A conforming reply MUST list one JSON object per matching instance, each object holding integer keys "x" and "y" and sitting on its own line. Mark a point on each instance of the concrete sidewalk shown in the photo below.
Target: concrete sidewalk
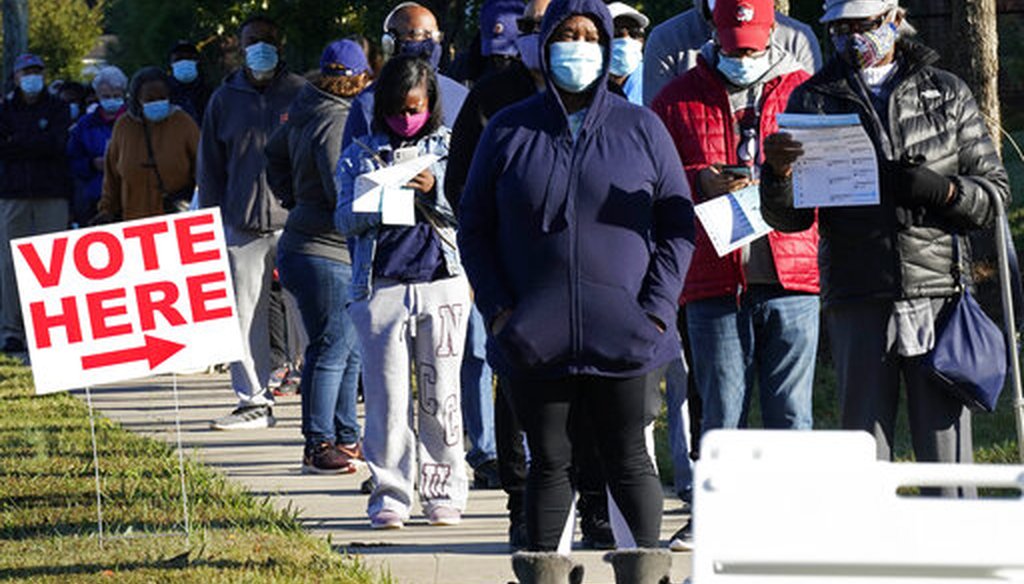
{"x": 267, "y": 462}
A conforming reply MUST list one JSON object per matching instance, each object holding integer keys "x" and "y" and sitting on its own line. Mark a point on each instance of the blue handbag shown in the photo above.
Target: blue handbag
{"x": 970, "y": 354}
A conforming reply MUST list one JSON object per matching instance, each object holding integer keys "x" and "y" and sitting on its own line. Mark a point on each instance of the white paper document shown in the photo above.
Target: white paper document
{"x": 398, "y": 206}
{"x": 733, "y": 220}
{"x": 383, "y": 191}
{"x": 838, "y": 168}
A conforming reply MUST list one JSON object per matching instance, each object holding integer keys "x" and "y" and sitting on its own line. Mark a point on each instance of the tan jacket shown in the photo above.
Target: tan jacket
{"x": 130, "y": 187}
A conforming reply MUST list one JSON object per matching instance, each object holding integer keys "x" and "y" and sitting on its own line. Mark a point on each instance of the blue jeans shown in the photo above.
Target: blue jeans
{"x": 478, "y": 393}
{"x": 770, "y": 335}
{"x": 330, "y": 374}
{"x": 679, "y": 428}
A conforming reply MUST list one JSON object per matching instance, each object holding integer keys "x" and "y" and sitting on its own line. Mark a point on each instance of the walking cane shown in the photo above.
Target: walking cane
{"x": 1009, "y": 322}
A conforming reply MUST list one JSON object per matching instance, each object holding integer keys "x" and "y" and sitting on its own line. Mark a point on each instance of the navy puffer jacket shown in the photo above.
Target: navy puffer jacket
{"x": 584, "y": 241}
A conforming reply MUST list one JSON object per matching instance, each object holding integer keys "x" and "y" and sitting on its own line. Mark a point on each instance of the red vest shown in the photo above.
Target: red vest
{"x": 695, "y": 109}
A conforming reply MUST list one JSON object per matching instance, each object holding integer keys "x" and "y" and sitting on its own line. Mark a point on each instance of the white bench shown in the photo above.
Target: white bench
{"x": 801, "y": 507}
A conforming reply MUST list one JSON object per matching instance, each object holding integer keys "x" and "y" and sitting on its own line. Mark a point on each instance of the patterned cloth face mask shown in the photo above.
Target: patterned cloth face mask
{"x": 867, "y": 49}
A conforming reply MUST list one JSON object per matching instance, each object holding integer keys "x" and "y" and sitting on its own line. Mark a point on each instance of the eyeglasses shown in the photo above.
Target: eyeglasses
{"x": 630, "y": 30}
{"x": 528, "y": 25}
{"x": 415, "y": 35}
{"x": 846, "y": 27}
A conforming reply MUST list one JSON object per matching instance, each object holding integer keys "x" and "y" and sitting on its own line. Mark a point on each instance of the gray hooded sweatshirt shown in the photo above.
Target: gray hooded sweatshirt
{"x": 301, "y": 158}
{"x": 672, "y": 47}
{"x": 231, "y": 173}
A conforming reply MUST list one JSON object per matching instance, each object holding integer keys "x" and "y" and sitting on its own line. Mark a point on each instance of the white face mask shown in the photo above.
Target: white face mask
{"x": 743, "y": 71}
{"x": 575, "y": 65}
{"x": 627, "y": 54}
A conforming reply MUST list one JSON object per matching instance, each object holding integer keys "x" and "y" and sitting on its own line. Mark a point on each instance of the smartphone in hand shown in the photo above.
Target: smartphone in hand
{"x": 405, "y": 154}
{"x": 739, "y": 171}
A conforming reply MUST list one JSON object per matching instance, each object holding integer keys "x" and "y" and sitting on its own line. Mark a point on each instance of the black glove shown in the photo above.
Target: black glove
{"x": 914, "y": 186}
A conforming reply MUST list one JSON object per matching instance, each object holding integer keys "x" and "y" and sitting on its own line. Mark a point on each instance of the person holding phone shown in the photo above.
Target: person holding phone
{"x": 410, "y": 303}
{"x": 753, "y": 314}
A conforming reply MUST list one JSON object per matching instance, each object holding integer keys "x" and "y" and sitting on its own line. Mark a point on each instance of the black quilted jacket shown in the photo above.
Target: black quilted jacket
{"x": 888, "y": 251}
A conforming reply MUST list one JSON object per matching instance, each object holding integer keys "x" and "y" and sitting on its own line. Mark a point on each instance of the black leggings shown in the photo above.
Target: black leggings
{"x": 615, "y": 408}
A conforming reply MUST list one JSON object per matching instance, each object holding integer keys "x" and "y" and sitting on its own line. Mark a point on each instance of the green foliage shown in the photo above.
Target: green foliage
{"x": 63, "y": 32}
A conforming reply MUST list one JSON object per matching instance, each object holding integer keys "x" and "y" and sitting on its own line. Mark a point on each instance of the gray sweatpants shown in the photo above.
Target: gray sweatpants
{"x": 423, "y": 325}
{"x": 868, "y": 375}
{"x": 252, "y": 258}
{"x": 22, "y": 218}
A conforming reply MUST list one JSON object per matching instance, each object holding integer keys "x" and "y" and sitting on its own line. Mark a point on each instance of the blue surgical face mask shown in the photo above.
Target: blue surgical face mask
{"x": 529, "y": 50}
{"x": 31, "y": 84}
{"x": 185, "y": 70}
{"x": 112, "y": 105}
{"x": 627, "y": 54}
{"x": 428, "y": 49}
{"x": 261, "y": 58}
{"x": 575, "y": 65}
{"x": 743, "y": 71}
{"x": 156, "y": 111}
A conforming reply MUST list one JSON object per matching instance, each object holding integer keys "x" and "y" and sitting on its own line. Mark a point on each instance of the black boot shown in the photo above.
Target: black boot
{"x": 518, "y": 540}
{"x": 594, "y": 524}
{"x": 640, "y": 566}
{"x": 545, "y": 568}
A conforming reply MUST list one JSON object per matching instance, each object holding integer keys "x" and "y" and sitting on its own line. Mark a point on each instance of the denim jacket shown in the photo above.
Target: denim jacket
{"x": 362, "y": 228}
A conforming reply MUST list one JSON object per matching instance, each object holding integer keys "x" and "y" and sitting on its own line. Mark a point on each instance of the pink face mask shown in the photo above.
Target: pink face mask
{"x": 407, "y": 126}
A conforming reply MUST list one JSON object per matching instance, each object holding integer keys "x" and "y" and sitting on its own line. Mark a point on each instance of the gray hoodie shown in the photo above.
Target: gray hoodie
{"x": 301, "y": 158}
{"x": 672, "y": 47}
{"x": 230, "y": 172}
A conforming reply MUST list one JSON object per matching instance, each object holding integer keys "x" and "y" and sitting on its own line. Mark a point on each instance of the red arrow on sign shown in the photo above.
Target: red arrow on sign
{"x": 156, "y": 351}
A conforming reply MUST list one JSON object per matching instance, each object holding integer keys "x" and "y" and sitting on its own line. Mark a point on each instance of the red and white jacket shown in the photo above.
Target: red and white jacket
{"x": 695, "y": 109}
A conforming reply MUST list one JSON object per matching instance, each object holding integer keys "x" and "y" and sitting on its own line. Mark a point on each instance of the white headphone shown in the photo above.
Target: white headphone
{"x": 387, "y": 41}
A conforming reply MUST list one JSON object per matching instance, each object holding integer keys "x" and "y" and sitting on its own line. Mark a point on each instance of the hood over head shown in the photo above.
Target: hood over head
{"x": 560, "y": 10}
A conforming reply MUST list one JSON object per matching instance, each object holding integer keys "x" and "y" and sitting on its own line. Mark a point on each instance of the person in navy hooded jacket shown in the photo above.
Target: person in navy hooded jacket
{"x": 576, "y": 230}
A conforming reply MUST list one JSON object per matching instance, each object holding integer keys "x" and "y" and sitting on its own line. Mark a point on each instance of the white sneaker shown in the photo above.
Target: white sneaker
{"x": 246, "y": 418}
{"x": 682, "y": 540}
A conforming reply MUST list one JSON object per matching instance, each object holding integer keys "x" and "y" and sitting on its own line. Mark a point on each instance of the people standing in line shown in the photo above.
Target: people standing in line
{"x": 410, "y": 303}
{"x": 188, "y": 85}
{"x": 87, "y": 144}
{"x": 35, "y": 183}
{"x": 674, "y": 45}
{"x": 889, "y": 271}
{"x": 243, "y": 112}
{"x": 627, "y": 62}
{"x": 577, "y": 281}
{"x": 150, "y": 164}
{"x": 313, "y": 259}
{"x": 752, "y": 315}
{"x": 410, "y": 29}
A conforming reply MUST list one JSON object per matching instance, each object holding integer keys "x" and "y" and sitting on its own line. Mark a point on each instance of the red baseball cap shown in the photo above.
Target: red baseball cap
{"x": 744, "y": 24}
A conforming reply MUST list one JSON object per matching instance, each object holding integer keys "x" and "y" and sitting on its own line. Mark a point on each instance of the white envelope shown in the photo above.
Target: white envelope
{"x": 370, "y": 186}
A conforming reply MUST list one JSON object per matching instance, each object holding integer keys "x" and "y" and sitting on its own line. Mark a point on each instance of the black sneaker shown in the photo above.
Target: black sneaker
{"x": 325, "y": 459}
{"x": 366, "y": 487}
{"x": 246, "y": 418}
{"x": 597, "y": 531}
{"x": 518, "y": 540}
{"x": 486, "y": 476}
{"x": 13, "y": 345}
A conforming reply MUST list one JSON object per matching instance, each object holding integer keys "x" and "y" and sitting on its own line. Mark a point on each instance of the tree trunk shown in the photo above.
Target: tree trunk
{"x": 15, "y": 16}
{"x": 975, "y": 31}
{"x": 782, "y": 6}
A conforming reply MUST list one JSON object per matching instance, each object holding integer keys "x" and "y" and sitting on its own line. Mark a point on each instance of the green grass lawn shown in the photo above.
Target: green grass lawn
{"x": 48, "y": 507}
